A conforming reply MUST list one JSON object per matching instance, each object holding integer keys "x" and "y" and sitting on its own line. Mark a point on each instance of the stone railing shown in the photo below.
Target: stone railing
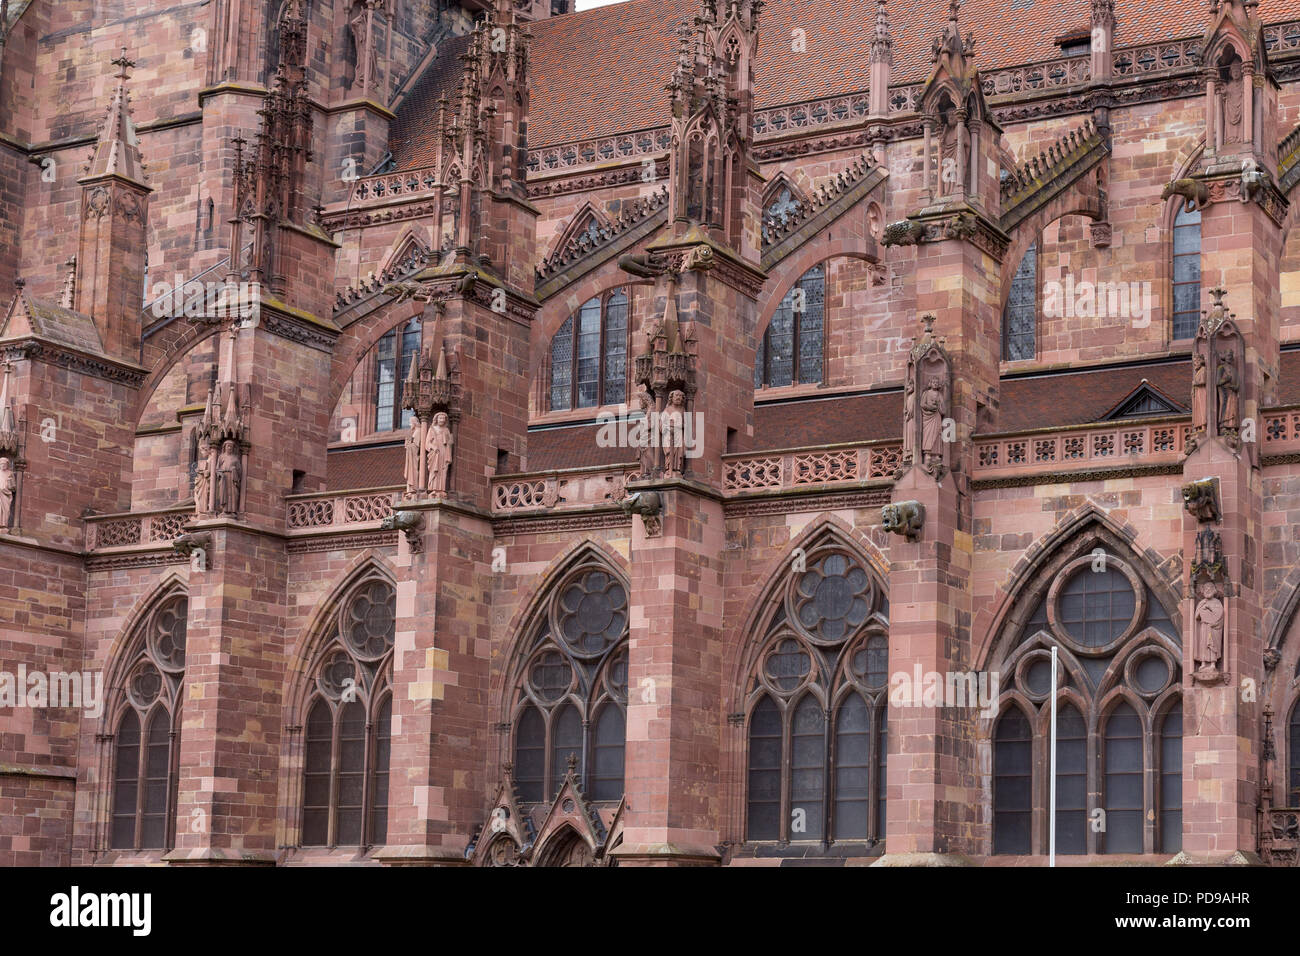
{"x": 1280, "y": 433}
{"x": 1281, "y": 39}
{"x": 605, "y": 149}
{"x": 800, "y": 468}
{"x": 136, "y": 528}
{"x": 1062, "y": 72}
{"x": 836, "y": 109}
{"x": 1156, "y": 57}
{"x": 1288, "y": 160}
{"x": 396, "y": 185}
{"x": 333, "y": 509}
{"x": 1082, "y": 447}
{"x": 550, "y": 490}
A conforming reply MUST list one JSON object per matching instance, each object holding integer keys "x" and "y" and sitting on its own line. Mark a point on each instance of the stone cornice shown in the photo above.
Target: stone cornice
{"x": 785, "y": 502}
{"x": 589, "y": 520}
{"x": 37, "y": 349}
{"x": 1075, "y": 477}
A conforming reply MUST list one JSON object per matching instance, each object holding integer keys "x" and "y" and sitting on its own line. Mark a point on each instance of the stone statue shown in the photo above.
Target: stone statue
{"x": 1199, "y": 378}
{"x": 437, "y": 446}
{"x": 933, "y": 411}
{"x": 909, "y": 420}
{"x": 7, "y": 486}
{"x": 412, "y": 460}
{"x": 367, "y": 64}
{"x": 1233, "y": 99}
{"x": 951, "y": 171}
{"x": 1228, "y": 393}
{"x": 672, "y": 433}
{"x": 203, "y": 477}
{"x": 1209, "y": 630}
{"x": 228, "y": 479}
{"x": 646, "y": 403}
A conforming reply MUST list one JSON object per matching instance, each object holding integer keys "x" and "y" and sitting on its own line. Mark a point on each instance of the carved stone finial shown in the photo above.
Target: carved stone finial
{"x": 571, "y": 761}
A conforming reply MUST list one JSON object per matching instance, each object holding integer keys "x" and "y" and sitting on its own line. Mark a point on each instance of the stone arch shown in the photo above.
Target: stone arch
{"x": 1075, "y": 201}
{"x": 170, "y": 350}
{"x": 1000, "y": 622}
{"x": 788, "y": 271}
{"x": 558, "y": 845}
{"x": 121, "y": 656}
{"x": 360, "y": 337}
{"x": 748, "y": 643}
{"x": 315, "y": 633}
{"x": 589, "y": 550}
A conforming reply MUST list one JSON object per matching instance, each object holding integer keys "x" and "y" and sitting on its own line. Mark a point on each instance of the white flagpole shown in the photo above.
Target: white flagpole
{"x": 1051, "y": 805}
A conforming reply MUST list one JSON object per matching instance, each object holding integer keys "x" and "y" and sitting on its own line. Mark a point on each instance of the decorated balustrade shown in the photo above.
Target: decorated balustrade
{"x": 325, "y": 510}
{"x": 148, "y": 528}
{"x": 547, "y": 491}
{"x": 799, "y": 468}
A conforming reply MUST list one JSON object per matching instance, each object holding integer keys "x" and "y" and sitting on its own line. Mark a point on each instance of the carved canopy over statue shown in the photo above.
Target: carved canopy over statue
{"x": 432, "y": 392}
{"x": 927, "y": 405}
{"x": 1217, "y": 377}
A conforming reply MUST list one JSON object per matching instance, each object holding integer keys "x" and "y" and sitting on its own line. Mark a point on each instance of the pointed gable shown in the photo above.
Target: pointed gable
{"x": 44, "y": 320}
{"x": 1145, "y": 400}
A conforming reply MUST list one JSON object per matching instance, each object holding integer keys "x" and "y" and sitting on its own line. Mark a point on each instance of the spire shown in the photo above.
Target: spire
{"x": 881, "y": 44}
{"x": 117, "y": 152}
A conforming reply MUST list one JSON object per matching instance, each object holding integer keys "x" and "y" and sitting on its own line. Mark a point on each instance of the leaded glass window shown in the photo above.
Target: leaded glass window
{"x": 816, "y": 729}
{"x": 1111, "y": 632}
{"x": 1292, "y": 796}
{"x": 147, "y": 733}
{"x": 793, "y": 347}
{"x": 1020, "y": 317}
{"x": 348, "y": 731}
{"x": 393, "y": 354}
{"x": 571, "y": 697}
{"x": 1187, "y": 270}
{"x": 589, "y": 354}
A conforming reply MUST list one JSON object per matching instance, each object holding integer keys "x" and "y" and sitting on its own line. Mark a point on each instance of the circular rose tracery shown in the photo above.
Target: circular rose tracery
{"x": 592, "y": 614}
{"x": 145, "y": 685}
{"x": 550, "y": 676}
{"x": 788, "y": 664}
{"x": 368, "y": 622}
{"x": 334, "y": 674}
{"x": 167, "y": 638}
{"x": 832, "y": 599}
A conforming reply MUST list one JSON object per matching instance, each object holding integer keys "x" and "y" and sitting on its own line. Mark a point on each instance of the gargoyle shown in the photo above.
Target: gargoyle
{"x": 1201, "y": 499}
{"x": 649, "y": 505}
{"x": 905, "y": 232}
{"x": 1192, "y": 190}
{"x": 648, "y": 266}
{"x": 407, "y": 522}
{"x": 187, "y": 544}
{"x": 903, "y": 517}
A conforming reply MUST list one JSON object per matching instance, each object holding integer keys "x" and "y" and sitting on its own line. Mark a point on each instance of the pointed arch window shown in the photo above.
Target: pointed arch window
{"x": 589, "y": 355}
{"x": 1120, "y": 672}
{"x": 147, "y": 733}
{"x": 817, "y": 740}
{"x": 793, "y": 347}
{"x": 571, "y": 695}
{"x": 1187, "y": 270}
{"x": 392, "y": 357}
{"x": 348, "y": 730}
{"x": 1292, "y": 796}
{"x": 1020, "y": 316}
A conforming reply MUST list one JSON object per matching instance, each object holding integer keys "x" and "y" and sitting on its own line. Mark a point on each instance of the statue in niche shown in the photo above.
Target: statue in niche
{"x": 412, "y": 460}
{"x": 951, "y": 172}
{"x": 909, "y": 420}
{"x": 1229, "y": 389}
{"x": 647, "y": 405}
{"x": 1209, "y": 621}
{"x": 7, "y": 487}
{"x": 672, "y": 433}
{"x": 1233, "y": 100}
{"x": 203, "y": 477}
{"x": 933, "y": 411}
{"x": 367, "y": 64}
{"x": 1200, "y": 377}
{"x": 228, "y": 479}
{"x": 438, "y": 447}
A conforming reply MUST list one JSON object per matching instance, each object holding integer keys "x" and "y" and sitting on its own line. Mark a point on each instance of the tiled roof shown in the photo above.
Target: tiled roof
{"x": 373, "y": 467}
{"x": 1077, "y": 398}
{"x": 604, "y": 71}
{"x": 29, "y": 316}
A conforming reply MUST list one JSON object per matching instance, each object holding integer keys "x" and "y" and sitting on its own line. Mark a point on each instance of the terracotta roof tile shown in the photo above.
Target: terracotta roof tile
{"x": 604, "y": 71}
{"x": 370, "y": 467}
